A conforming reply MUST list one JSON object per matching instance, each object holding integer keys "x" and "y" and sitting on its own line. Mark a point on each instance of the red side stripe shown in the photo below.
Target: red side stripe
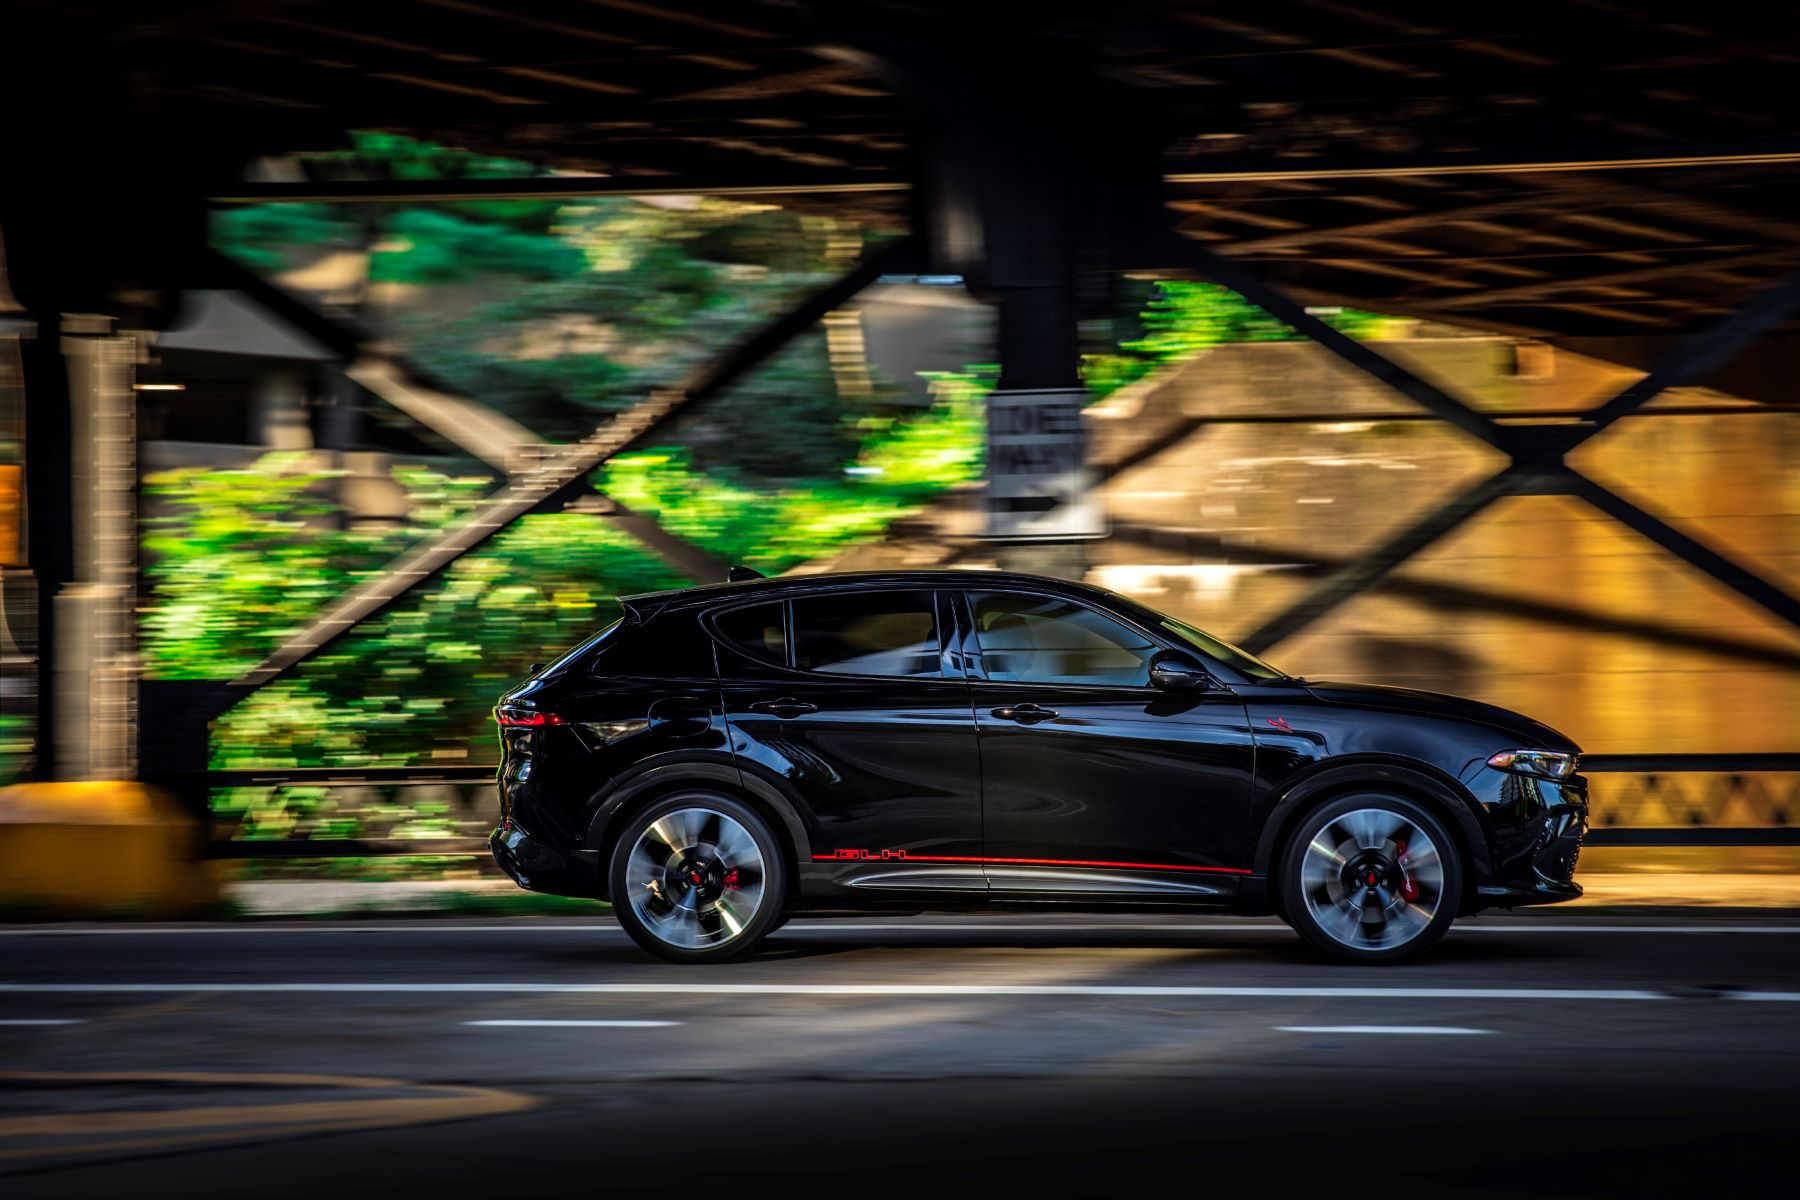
{"x": 1034, "y": 862}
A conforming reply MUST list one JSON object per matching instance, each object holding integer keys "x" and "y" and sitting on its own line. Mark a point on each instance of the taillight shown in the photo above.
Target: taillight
{"x": 510, "y": 717}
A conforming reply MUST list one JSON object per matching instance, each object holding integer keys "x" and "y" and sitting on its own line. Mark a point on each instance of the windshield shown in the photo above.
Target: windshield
{"x": 1241, "y": 661}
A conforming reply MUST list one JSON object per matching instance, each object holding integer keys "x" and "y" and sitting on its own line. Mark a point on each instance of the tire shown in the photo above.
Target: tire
{"x": 1371, "y": 878}
{"x": 711, "y": 898}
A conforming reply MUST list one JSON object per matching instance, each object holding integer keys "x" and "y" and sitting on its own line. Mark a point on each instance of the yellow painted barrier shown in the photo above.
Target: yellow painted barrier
{"x": 101, "y": 849}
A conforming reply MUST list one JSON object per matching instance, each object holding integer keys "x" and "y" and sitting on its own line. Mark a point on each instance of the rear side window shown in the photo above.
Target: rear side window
{"x": 869, "y": 633}
{"x": 757, "y": 630}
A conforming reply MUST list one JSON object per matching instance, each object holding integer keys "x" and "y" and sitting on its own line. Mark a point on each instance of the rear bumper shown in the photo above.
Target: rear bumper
{"x": 532, "y": 864}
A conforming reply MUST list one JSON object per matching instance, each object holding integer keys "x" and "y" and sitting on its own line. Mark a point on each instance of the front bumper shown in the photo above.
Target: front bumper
{"x": 1537, "y": 859}
{"x": 532, "y": 864}
{"x": 1523, "y": 897}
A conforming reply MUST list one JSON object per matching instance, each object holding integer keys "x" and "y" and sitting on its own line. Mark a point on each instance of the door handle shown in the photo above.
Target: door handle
{"x": 1024, "y": 714}
{"x": 785, "y": 707}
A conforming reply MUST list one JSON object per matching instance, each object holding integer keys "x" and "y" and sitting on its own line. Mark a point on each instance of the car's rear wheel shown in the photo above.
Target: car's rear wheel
{"x": 1371, "y": 877}
{"x": 697, "y": 877}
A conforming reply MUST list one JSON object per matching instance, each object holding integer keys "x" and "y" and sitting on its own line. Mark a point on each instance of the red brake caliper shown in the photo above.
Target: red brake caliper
{"x": 1409, "y": 887}
{"x": 731, "y": 880}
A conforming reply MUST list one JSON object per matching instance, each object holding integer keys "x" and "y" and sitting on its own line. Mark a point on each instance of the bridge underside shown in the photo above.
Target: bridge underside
{"x": 1620, "y": 181}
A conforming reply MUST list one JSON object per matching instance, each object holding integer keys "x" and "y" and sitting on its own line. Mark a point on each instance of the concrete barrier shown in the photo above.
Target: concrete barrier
{"x": 101, "y": 849}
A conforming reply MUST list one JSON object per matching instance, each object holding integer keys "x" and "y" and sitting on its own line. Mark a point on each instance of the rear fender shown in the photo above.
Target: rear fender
{"x": 673, "y": 772}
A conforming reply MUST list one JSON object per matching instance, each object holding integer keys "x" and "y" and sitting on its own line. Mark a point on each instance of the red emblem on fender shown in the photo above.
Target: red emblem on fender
{"x": 1281, "y": 724}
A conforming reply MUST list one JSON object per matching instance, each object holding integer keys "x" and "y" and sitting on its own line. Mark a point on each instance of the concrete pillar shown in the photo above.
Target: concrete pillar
{"x": 92, "y": 661}
{"x": 49, "y": 517}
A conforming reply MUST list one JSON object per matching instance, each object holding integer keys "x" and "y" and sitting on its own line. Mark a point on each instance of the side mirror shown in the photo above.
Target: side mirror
{"x": 1173, "y": 671}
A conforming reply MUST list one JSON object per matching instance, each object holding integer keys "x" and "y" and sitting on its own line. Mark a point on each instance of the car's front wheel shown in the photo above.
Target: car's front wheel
{"x": 1371, "y": 877}
{"x": 697, "y": 877}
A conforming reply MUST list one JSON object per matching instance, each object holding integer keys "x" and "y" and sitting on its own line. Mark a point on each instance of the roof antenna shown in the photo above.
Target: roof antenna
{"x": 741, "y": 574}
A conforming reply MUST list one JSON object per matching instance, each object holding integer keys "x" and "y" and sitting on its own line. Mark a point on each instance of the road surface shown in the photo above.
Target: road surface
{"x": 1557, "y": 1054}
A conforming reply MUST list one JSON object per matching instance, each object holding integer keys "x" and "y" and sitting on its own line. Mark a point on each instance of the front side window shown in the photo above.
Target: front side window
{"x": 872, "y": 633}
{"x": 1042, "y": 639}
{"x": 1241, "y": 661}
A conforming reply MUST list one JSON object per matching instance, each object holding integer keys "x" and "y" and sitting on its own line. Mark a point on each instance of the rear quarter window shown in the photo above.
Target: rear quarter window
{"x": 759, "y": 630}
{"x": 562, "y": 664}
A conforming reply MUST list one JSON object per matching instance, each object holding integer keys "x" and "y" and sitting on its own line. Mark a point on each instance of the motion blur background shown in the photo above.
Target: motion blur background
{"x": 644, "y": 290}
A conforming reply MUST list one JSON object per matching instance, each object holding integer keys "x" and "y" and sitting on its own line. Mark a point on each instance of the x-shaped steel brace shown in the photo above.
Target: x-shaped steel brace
{"x": 1538, "y": 453}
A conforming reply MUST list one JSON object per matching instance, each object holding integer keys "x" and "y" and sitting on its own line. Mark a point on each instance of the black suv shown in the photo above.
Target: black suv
{"x": 724, "y": 757}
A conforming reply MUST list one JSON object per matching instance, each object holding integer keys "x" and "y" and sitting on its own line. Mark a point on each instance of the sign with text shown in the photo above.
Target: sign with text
{"x": 1038, "y": 481}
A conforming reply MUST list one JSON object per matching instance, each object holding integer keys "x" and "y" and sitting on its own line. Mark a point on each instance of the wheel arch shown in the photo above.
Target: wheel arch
{"x": 629, "y": 794}
{"x": 1419, "y": 782}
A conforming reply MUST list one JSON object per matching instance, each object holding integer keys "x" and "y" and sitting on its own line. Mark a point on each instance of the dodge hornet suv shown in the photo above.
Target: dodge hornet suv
{"x": 724, "y": 757}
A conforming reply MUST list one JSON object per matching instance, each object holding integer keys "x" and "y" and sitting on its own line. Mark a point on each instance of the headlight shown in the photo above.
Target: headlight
{"x": 1550, "y": 764}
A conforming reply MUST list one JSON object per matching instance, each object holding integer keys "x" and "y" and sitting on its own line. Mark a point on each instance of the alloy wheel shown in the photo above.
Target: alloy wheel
{"x": 1372, "y": 879}
{"x": 695, "y": 878}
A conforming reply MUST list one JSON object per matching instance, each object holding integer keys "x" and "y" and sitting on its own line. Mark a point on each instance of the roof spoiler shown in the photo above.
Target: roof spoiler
{"x": 742, "y": 574}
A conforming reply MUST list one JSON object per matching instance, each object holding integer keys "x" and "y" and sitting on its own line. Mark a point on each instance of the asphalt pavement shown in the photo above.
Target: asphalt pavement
{"x": 1557, "y": 1054}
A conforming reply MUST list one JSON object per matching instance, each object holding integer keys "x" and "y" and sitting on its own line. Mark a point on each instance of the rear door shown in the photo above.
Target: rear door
{"x": 849, "y": 698}
{"x": 1095, "y": 782}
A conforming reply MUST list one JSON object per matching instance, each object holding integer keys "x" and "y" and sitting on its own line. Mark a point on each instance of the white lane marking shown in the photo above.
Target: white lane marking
{"x": 1778, "y": 997}
{"x": 844, "y": 989}
{"x": 574, "y": 1024}
{"x": 428, "y": 926}
{"x": 1447, "y": 1030}
{"x": 43, "y": 1021}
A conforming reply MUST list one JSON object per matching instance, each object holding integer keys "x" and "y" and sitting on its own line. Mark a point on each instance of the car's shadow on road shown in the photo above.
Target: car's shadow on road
{"x": 953, "y": 948}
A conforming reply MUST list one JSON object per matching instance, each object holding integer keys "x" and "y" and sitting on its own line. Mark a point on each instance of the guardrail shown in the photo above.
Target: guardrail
{"x": 1639, "y": 800}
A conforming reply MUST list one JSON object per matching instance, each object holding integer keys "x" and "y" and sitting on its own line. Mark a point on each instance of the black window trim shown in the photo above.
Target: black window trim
{"x": 586, "y": 657}
{"x": 975, "y": 661}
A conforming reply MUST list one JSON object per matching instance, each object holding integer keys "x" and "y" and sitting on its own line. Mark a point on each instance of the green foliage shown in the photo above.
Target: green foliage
{"x": 1183, "y": 318}
{"x": 903, "y": 463}
{"x": 419, "y": 682}
{"x": 595, "y": 303}
{"x": 259, "y": 235}
{"x": 238, "y": 558}
{"x": 245, "y": 557}
{"x": 445, "y": 243}
{"x": 424, "y": 246}
{"x": 556, "y": 353}
{"x": 784, "y": 422}
{"x": 395, "y": 156}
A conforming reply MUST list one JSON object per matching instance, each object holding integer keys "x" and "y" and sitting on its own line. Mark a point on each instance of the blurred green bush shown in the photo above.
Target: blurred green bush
{"x": 238, "y": 559}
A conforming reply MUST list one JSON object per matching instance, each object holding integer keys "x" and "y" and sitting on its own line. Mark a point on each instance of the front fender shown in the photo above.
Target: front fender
{"x": 1417, "y": 780}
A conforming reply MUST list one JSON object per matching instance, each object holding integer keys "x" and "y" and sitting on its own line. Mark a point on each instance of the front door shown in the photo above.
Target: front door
{"x": 1093, "y": 781}
{"x": 847, "y": 698}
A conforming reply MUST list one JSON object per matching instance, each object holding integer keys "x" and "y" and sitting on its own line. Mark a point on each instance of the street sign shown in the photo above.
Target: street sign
{"x": 1038, "y": 482}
